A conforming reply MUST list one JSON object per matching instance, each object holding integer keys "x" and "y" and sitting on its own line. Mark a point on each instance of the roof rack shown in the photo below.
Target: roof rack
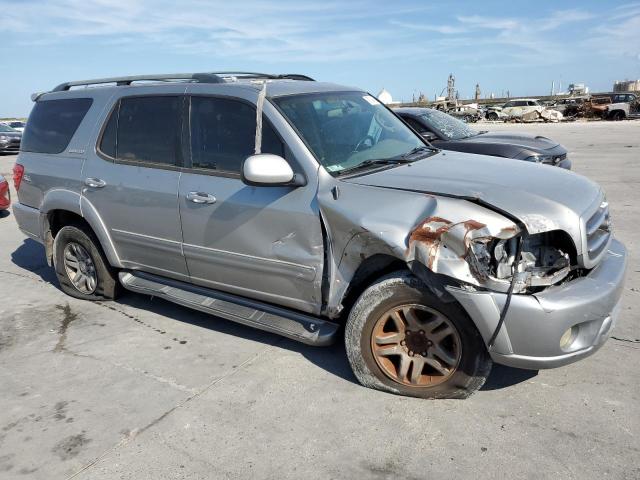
{"x": 120, "y": 81}
{"x": 268, "y": 76}
{"x": 215, "y": 77}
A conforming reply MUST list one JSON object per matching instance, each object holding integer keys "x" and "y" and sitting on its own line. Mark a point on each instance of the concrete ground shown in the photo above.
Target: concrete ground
{"x": 142, "y": 388}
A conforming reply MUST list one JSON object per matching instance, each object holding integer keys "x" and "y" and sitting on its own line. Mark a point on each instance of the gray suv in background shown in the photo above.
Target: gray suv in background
{"x": 300, "y": 207}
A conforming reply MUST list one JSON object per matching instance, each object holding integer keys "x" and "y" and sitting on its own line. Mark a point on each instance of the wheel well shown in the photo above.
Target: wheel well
{"x": 57, "y": 219}
{"x": 613, "y": 113}
{"x": 61, "y": 218}
{"x": 368, "y": 272}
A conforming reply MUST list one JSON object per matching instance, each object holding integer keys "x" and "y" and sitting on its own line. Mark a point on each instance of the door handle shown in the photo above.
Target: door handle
{"x": 94, "y": 182}
{"x": 201, "y": 197}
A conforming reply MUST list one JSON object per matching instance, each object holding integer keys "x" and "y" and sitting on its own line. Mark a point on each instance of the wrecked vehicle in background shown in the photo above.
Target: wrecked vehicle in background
{"x": 444, "y": 131}
{"x": 296, "y": 206}
{"x": 624, "y": 106}
{"x": 494, "y": 112}
{"x": 529, "y": 110}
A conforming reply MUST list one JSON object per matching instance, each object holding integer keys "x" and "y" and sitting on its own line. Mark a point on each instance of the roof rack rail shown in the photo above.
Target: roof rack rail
{"x": 121, "y": 81}
{"x": 268, "y": 76}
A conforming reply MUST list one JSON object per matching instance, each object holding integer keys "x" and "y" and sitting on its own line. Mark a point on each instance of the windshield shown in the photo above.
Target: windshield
{"x": 446, "y": 125}
{"x": 347, "y": 129}
{"x": 4, "y": 128}
{"x": 16, "y": 124}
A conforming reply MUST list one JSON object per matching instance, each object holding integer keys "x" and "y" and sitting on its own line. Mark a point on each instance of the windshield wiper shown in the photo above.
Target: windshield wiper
{"x": 374, "y": 163}
{"x": 412, "y": 153}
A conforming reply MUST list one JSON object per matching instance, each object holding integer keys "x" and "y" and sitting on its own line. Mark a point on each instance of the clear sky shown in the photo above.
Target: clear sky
{"x": 405, "y": 46}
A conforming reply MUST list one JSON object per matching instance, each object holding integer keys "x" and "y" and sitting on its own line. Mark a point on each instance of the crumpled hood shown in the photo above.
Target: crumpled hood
{"x": 542, "y": 197}
{"x": 520, "y": 139}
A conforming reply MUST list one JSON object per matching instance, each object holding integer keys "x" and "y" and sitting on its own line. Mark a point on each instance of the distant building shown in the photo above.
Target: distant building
{"x": 578, "y": 89}
{"x": 627, "y": 86}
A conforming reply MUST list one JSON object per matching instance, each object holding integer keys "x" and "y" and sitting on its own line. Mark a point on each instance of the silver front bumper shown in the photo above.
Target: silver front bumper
{"x": 530, "y": 336}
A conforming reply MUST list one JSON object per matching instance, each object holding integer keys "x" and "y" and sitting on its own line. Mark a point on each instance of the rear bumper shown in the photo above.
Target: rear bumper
{"x": 28, "y": 220}
{"x": 530, "y": 336}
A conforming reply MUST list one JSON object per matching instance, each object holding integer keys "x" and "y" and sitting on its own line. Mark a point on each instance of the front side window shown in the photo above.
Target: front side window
{"x": 148, "y": 130}
{"x": 223, "y": 133}
{"x": 347, "y": 129}
{"x": 53, "y": 123}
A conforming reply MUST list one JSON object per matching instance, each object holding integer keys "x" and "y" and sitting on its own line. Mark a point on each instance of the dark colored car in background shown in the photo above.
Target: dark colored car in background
{"x": 449, "y": 133}
{"x": 9, "y": 139}
{"x": 5, "y": 194}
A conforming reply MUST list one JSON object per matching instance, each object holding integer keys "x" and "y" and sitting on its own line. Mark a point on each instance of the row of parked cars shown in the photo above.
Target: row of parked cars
{"x": 313, "y": 211}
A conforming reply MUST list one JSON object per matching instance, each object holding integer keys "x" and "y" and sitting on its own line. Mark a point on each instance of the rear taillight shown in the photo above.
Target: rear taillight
{"x": 18, "y": 173}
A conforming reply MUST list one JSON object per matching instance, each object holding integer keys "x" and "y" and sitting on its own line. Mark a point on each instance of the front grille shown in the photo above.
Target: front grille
{"x": 598, "y": 231}
{"x": 13, "y": 145}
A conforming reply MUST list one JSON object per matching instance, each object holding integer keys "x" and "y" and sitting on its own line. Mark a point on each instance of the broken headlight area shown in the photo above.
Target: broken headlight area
{"x": 546, "y": 259}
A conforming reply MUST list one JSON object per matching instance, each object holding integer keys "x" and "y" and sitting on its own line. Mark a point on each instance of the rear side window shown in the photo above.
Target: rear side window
{"x": 223, "y": 133}
{"x": 52, "y": 124}
{"x": 147, "y": 130}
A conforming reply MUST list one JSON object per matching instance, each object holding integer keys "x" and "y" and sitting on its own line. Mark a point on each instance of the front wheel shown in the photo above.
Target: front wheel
{"x": 400, "y": 338}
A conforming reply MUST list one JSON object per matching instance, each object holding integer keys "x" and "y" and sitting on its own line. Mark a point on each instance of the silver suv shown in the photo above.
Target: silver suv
{"x": 299, "y": 207}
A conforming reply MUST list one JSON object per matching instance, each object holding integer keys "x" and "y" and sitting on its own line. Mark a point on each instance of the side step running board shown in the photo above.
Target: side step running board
{"x": 293, "y": 325}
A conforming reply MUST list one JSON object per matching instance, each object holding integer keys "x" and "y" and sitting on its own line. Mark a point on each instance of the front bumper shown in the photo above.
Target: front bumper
{"x": 10, "y": 147}
{"x": 530, "y": 336}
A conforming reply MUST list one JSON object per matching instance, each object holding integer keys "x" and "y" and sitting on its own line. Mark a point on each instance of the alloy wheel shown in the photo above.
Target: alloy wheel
{"x": 416, "y": 346}
{"x": 80, "y": 268}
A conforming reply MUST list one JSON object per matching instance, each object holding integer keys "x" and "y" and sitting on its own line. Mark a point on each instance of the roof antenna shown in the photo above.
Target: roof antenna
{"x": 259, "y": 105}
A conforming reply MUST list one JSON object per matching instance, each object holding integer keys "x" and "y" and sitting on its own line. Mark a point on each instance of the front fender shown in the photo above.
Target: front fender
{"x": 430, "y": 234}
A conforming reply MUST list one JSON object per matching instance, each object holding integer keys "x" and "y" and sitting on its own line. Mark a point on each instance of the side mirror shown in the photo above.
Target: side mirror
{"x": 429, "y": 136}
{"x": 266, "y": 169}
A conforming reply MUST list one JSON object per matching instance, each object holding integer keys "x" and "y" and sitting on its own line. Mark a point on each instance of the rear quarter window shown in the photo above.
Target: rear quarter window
{"x": 53, "y": 123}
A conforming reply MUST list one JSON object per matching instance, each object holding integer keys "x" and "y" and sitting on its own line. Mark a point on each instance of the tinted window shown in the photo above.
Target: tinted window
{"x": 52, "y": 123}
{"x": 108, "y": 142}
{"x": 148, "y": 130}
{"x": 223, "y": 134}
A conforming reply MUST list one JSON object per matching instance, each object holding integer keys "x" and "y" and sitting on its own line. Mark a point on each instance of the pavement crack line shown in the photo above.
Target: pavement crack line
{"x": 136, "y": 432}
{"x": 22, "y": 275}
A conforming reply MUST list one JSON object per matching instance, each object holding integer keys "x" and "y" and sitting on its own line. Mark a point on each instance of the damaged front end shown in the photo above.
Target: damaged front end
{"x": 484, "y": 256}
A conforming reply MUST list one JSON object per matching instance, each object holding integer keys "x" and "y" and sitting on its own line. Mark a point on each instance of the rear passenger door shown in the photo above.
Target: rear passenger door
{"x": 258, "y": 242}
{"x": 132, "y": 182}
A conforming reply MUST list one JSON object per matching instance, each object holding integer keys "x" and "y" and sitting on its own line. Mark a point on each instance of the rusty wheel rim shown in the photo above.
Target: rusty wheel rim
{"x": 416, "y": 346}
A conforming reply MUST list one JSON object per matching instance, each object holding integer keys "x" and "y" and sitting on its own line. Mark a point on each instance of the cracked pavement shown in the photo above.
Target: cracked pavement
{"x": 142, "y": 388}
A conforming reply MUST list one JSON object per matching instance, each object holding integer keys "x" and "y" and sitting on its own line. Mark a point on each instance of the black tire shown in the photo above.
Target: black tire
{"x": 492, "y": 116}
{"x": 617, "y": 115}
{"x": 402, "y": 288}
{"x": 107, "y": 286}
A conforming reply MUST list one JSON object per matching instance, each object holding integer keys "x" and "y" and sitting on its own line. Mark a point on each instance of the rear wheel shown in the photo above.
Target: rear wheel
{"x": 81, "y": 267}
{"x": 402, "y": 339}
